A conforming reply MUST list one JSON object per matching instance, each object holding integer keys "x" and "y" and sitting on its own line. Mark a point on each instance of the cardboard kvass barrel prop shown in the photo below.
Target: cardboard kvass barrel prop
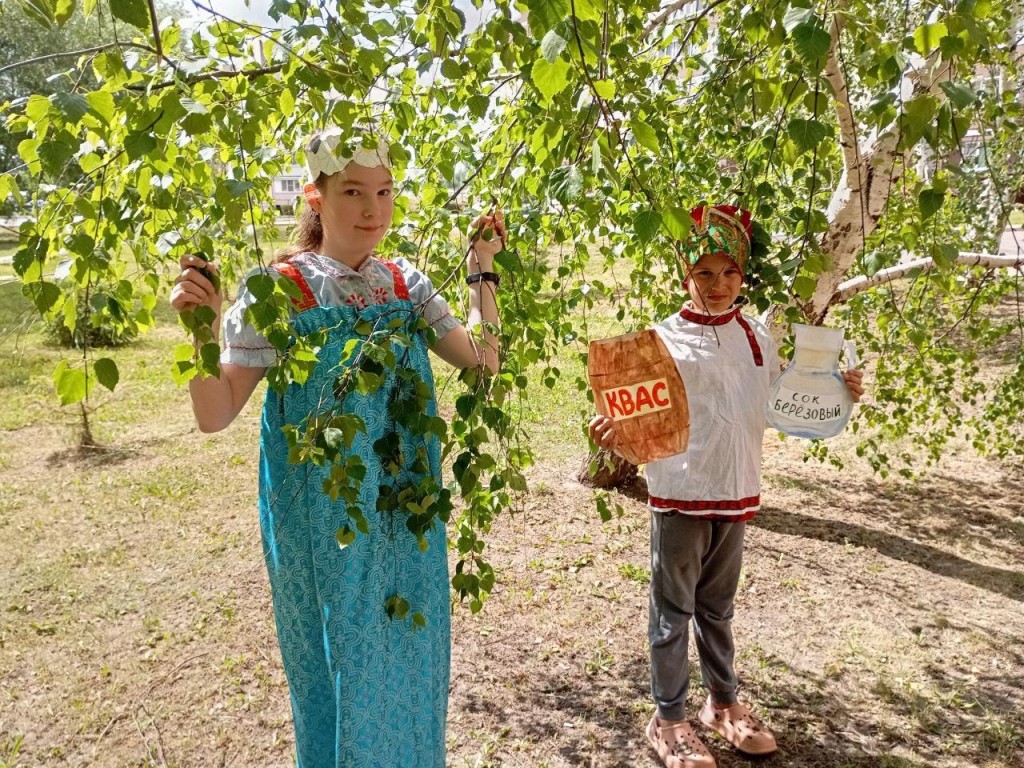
{"x": 636, "y": 383}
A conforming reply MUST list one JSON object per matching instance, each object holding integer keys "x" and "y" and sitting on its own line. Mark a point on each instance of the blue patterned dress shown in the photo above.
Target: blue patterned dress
{"x": 367, "y": 691}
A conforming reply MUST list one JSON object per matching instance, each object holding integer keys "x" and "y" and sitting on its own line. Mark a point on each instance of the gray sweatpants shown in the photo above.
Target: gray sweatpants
{"x": 695, "y": 568}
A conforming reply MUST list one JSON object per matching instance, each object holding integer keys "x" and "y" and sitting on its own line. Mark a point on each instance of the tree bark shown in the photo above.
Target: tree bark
{"x": 857, "y": 285}
{"x": 872, "y": 168}
{"x": 612, "y": 470}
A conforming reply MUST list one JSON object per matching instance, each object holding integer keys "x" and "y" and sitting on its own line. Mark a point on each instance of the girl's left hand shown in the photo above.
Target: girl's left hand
{"x": 484, "y": 249}
{"x": 854, "y": 379}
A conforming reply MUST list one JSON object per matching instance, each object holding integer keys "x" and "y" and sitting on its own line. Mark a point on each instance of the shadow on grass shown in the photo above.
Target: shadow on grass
{"x": 1003, "y": 581}
{"x": 599, "y": 720}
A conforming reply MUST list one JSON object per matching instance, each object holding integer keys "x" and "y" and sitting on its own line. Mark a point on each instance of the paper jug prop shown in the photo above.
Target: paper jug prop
{"x": 810, "y": 398}
{"x": 636, "y": 382}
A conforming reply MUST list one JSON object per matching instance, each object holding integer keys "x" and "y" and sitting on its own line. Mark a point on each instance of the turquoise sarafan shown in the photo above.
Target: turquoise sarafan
{"x": 367, "y": 690}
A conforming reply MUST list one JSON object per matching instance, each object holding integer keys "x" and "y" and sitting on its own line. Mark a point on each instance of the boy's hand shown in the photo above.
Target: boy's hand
{"x": 602, "y": 432}
{"x": 854, "y": 379}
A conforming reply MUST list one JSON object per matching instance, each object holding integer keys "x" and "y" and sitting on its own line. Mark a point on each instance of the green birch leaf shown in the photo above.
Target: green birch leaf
{"x": 73, "y": 106}
{"x": 929, "y": 201}
{"x": 37, "y": 107}
{"x": 944, "y": 255}
{"x": 645, "y": 135}
{"x": 550, "y": 77}
{"x": 101, "y": 104}
{"x": 589, "y": 10}
{"x": 806, "y": 134}
{"x": 796, "y": 16}
{"x": 552, "y": 45}
{"x": 478, "y": 104}
{"x": 811, "y": 41}
{"x": 804, "y": 286}
{"x": 138, "y": 144}
{"x": 41, "y": 11}
{"x": 344, "y": 536}
{"x": 134, "y": 12}
{"x": 928, "y": 36}
{"x": 566, "y": 184}
{"x": 63, "y": 11}
{"x": 605, "y": 88}
{"x": 55, "y": 155}
{"x": 71, "y": 383}
{"x": 546, "y": 14}
{"x": 676, "y": 220}
{"x": 960, "y": 95}
{"x": 647, "y": 224}
{"x": 8, "y": 186}
{"x": 952, "y": 45}
{"x": 106, "y": 372}
{"x": 287, "y": 102}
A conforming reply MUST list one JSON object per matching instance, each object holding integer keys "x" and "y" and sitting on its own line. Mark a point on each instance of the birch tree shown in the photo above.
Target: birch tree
{"x": 597, "y": 126}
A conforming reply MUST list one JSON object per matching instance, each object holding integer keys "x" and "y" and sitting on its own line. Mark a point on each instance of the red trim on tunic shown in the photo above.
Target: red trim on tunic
{"x": 716, "y": 518}
{"x": 705, "y": 505}
{"x": 308, "y": 300}
{"x": 702, "y": 318}
{"x": 401, "y": 289}
{"x": 755, "y": 348}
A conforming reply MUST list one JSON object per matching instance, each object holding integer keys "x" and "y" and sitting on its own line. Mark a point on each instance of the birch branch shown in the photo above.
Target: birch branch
{"x": 844, "y": 111}
{"x": 862, "y": 283}
{"x": 71, "y": 54}
{"x": 669, "y": 10}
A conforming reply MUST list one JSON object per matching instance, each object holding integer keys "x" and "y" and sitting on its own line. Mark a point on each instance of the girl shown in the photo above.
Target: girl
{"x": 368, "y": 685}
{"x": 701, "y": 499}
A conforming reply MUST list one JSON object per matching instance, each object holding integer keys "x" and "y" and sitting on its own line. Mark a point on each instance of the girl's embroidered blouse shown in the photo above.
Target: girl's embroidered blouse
{"x": 333, "y": 284}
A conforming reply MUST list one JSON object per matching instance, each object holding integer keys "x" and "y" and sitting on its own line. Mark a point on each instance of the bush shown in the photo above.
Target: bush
{"x": 103, "y": 321}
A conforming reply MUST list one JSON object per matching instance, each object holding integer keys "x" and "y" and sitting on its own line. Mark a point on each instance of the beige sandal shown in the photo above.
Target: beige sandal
{"x": 678, "y": 746}
{"x": 737, "y": 725}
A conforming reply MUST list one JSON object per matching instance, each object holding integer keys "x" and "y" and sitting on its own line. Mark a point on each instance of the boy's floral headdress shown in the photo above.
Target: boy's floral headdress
{"x": 328, "y": 152}
{"x": 722, "y": 229}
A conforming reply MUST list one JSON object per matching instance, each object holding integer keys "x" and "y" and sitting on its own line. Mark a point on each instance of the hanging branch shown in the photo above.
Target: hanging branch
{"x": 220, "y": 74}
{"x": 696, "y": 18}
{"x": 69, "y": 54}
{"x": 156, "y": 30}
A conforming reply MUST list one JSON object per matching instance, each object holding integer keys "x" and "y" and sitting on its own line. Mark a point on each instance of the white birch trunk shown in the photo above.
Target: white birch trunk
{"x": 872, "y": 168}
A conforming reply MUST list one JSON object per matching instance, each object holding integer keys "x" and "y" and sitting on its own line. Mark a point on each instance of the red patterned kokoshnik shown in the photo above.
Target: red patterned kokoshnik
{"x": 722, "y": 229}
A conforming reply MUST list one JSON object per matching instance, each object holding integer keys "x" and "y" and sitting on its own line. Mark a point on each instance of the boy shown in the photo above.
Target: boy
{"x": 701, "y": 499}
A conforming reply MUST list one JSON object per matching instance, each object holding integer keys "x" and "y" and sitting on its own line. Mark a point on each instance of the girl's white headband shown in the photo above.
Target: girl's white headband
{"x": 325, "y": 154}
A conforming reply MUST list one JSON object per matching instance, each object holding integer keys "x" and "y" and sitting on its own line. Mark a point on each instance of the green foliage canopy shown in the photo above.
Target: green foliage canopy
{"x": 596, "y": 126}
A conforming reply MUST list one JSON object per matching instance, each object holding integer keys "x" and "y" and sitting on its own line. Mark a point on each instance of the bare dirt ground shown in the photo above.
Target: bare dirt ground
{"x": 879, "y": 623}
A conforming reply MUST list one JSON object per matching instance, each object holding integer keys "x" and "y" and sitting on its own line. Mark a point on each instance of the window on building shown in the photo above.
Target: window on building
{"x": 289, "y": 185}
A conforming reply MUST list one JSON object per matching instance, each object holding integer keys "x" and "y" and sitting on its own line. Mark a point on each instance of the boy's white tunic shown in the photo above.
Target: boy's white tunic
{"x": 727, "y": 363}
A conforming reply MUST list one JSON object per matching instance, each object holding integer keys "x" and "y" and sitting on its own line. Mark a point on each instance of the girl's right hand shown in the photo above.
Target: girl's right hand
{"x": 192, "y": 288}
{"x": 602, "y": 432}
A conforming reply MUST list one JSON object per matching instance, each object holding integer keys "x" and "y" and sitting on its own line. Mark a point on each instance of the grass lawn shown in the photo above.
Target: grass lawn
{"x": 878, "y": 623}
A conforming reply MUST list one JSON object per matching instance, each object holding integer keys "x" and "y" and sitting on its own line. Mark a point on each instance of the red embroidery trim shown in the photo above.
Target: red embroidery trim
{"x": 704, "y": 505}
{"x": 442, "y": 317}
{"x": 292, "y": 272}
{"x": 716, "y": 518}
{"x": 704, "y": 319}
{"x": 401, "y": 289}
{"x": 755, "y": 349}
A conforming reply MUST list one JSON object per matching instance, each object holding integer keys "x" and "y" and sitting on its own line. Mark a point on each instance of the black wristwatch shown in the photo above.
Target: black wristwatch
{"x": 487, "y": 277}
